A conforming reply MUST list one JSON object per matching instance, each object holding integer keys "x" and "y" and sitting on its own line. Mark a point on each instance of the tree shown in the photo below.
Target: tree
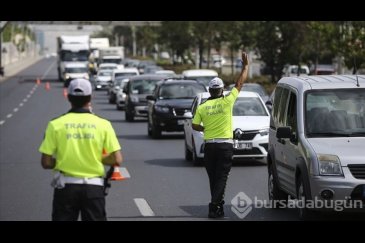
{"x": 203, "y": 32}
{"x": 269, "y": 43}
{"x": 352, "y": 43}
{"x": 147, "y": 37}
{"x": 176, "y": 35}
{"x": 320, "y": 42}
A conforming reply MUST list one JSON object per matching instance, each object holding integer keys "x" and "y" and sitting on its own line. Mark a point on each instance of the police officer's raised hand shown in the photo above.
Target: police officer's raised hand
{"x": 245, "y": 61}
{"x": 244, "y": 71}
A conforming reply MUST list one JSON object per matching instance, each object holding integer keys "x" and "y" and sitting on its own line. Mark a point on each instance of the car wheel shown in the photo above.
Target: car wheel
{"x": 277, "y": 197}
{"x": 188, "y": 153}
{"x": 196, "y": 159}
{"x": 302, "y": 196}
{"x": 128, "y": 116}
{"x": 149, "y": 129}
{"x": 156, "y": 132}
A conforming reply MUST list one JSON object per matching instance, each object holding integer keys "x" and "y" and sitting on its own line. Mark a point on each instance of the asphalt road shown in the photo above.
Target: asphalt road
{"x": 162, "y": 185}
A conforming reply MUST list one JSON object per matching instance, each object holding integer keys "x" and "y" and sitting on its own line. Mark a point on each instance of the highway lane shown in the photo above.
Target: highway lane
{"x": 161, "y": 180}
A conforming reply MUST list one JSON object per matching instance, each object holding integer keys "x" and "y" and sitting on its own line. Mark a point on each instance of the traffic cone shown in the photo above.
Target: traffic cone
{"x": 48, "y": 87}
{"x": 117, "y": 176}
{"x": 38, "y": 81}
{"x": 65, "y": 93}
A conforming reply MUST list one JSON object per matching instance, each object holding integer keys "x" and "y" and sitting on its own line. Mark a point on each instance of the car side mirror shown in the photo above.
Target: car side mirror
{"x": 283, "y": 132}
{"x": 188, "y": 115}
{"x": 269, "y": 105}
{"x": 150, "y": 97}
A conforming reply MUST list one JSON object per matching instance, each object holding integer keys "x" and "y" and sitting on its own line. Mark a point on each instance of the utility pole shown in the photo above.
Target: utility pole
{"x": 134, "y": 40}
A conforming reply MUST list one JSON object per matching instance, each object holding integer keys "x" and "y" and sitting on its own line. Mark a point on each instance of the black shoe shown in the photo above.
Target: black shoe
{"x": 215, "y": 211}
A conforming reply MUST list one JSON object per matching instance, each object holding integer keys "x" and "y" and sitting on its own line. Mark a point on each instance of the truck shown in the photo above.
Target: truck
{"x": 95, "y": 45}
{"x": 72, "y": 49}
{"x": 114, "y": 54}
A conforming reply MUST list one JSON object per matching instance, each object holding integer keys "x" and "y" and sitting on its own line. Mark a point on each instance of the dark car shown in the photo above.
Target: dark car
{"x": 136, "y": 92}
{"x": 170, "y": 101}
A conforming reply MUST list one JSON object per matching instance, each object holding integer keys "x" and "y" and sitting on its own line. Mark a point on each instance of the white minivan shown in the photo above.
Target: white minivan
{"x": 317, "y": 143}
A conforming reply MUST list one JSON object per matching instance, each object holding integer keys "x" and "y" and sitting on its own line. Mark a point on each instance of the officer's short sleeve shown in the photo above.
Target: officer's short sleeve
{"x": 111, "y": 143}
{"x": 197, "y": 118}
{"x": 48, "y": 145}
{"x": 231, "y": 98}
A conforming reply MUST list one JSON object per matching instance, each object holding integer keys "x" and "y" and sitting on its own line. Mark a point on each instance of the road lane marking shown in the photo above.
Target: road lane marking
{"x": 143, "y": 207}
{"x": 47, "y": 71}
{"x": 30, "y": 95}
{"x": 124, "y": 172}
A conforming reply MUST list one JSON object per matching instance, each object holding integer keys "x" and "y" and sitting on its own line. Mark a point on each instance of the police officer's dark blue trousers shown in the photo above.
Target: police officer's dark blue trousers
{"x": 218, "y": 163}
{"x": 69, "y": 201}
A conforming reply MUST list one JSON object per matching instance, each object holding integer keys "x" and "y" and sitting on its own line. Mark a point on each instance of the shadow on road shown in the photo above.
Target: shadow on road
{"x": 133, "y": 137}
{"x": 173, "y": 162}
{"x": 248, "y": 162}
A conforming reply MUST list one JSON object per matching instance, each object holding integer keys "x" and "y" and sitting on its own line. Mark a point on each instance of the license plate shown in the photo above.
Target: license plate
{"x": 180, "y": 122}
{"x": 241, "y": 145}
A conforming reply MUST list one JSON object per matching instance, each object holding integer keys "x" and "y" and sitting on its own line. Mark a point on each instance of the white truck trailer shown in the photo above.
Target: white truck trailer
{"x": 72, "y": 49}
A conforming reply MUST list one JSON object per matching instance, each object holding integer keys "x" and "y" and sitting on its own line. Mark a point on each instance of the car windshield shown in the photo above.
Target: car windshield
{"x": 112, "y": 60}
{"x": 105, "y": 74}
{"x": 180, "y": 91}
{"x": 118, "y": 75}
{"x": 249, "y": 106}
{"x": 69, "y": 56}
{"x": 144, "y": 86}
{"x": 335, "y": 113}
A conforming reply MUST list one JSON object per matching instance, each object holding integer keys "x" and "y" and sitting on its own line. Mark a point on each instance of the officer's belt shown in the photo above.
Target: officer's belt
{"x": 88, "y": 181}
{"x": 219, "y": 140}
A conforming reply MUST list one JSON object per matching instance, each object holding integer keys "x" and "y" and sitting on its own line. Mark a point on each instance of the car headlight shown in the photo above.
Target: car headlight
{"x": 134, "y": 99}
{"x": 162, "y": 109}
{"x": 121, "y": 95}
{"x": 329, "y": 165}
{"x": 67, "y": 76}
{"x": 86, "y": 76}
{"x": 264, "y": 132}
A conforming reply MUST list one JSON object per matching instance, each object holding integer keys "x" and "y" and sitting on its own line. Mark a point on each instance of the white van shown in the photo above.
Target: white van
{"x": 316, "y": 143}
{"x": 74, "y": 70}
{"x": 201, "y": 75}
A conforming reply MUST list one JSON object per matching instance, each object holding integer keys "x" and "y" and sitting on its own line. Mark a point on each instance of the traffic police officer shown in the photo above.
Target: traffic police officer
{"x": 216, "y": 116}
{"x": 73, "y": 146}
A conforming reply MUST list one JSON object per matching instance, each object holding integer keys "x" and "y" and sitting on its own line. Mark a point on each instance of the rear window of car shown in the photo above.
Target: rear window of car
{"x": 249, "y": 106}
{"x": 180, "y": 91}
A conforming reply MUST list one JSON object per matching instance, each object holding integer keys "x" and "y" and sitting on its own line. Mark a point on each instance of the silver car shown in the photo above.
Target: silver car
{"x": 316, "y": 143}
